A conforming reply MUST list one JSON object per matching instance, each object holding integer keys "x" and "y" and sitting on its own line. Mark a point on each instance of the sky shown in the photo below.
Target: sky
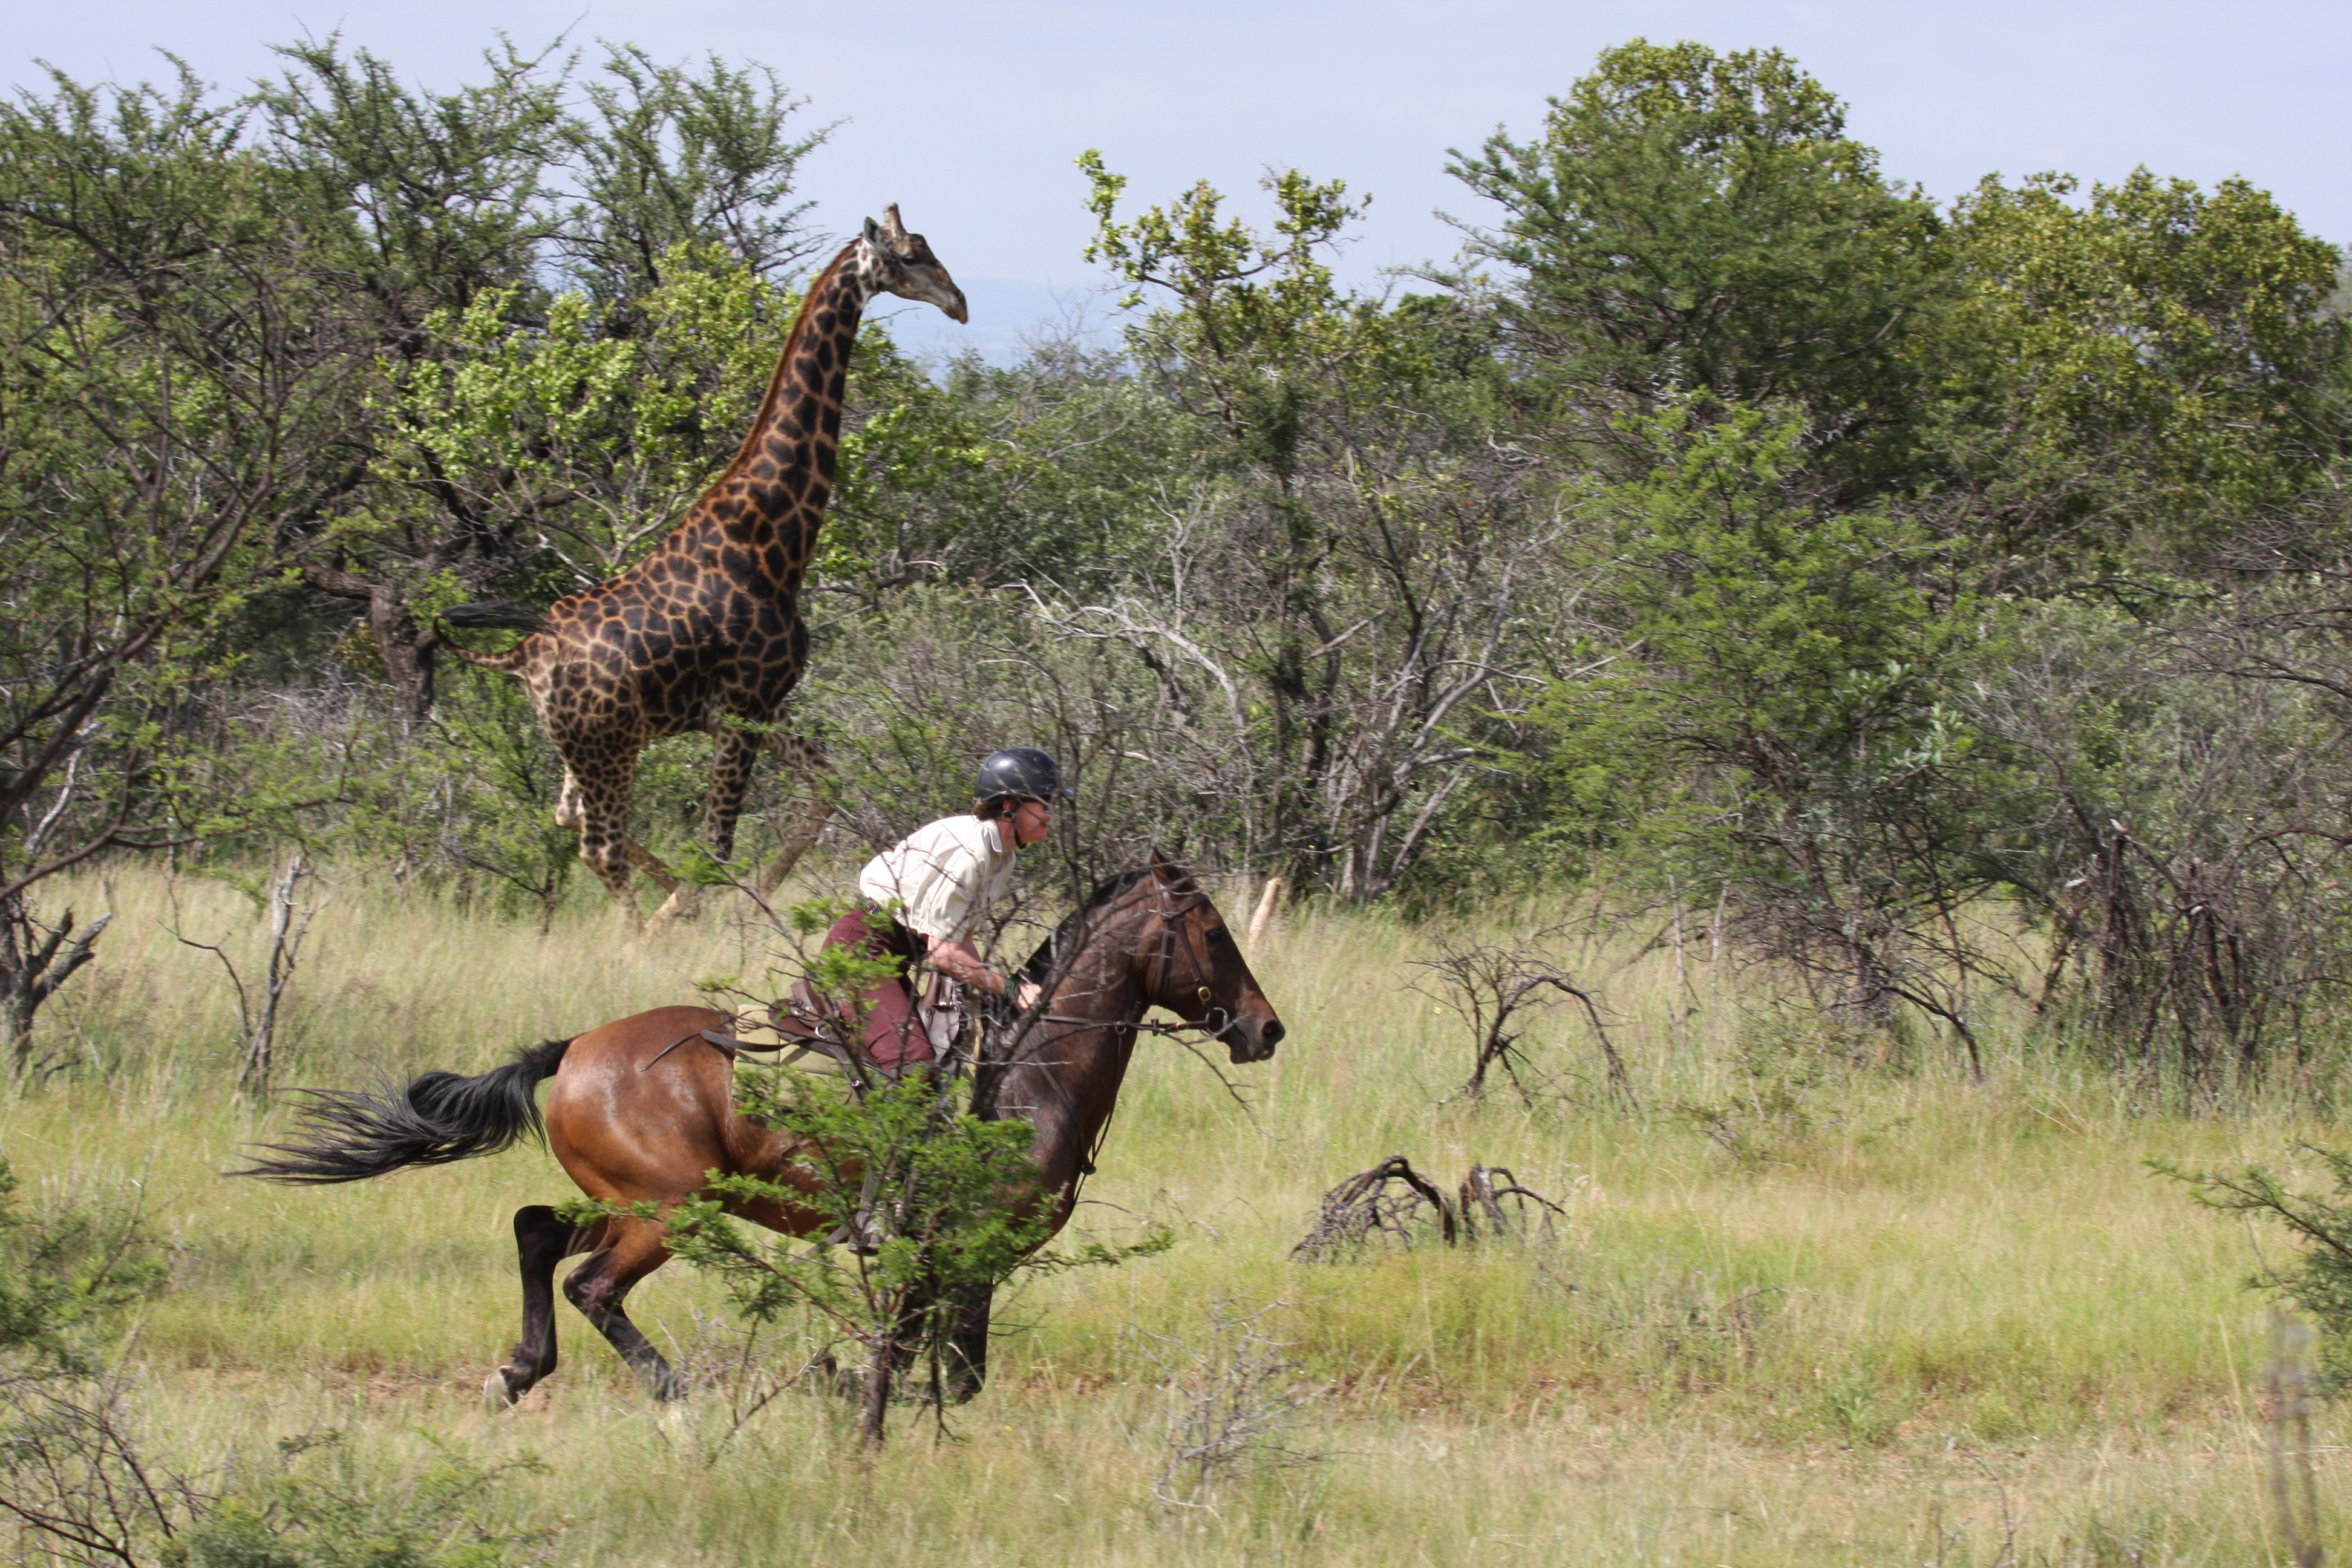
{"x": 971, "y": 116}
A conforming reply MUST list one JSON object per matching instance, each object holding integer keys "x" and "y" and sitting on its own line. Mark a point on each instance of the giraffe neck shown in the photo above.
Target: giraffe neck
{"x": 763, "y": 512}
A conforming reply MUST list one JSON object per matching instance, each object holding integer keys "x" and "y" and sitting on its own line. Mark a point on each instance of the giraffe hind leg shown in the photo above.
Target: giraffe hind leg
{"x": 601, "y": 798}
{"x": 731, "y": 753}
{"x": 805, "y": 761}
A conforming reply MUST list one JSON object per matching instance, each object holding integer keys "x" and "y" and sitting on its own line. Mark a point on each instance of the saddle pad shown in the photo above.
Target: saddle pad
{"x": 799, "y": 1055}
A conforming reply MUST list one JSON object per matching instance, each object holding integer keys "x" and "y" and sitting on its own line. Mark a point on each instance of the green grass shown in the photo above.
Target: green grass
{"x": 1793, "y": 1314}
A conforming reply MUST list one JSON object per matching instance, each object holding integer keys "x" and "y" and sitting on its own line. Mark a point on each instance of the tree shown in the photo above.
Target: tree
{"x": 1354, "y": 566}
{"x": 1778, "y": 724}
{"x": 175, "y": 373}
{"x": 2154, "y": 366}
{"x": 456, "y": 213}
{"x": 1696, "y": 222}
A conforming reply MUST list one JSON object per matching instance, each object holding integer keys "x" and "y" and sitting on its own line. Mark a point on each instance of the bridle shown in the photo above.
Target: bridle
{"x": 1215, "y": 1020}
{"x": 1171, "y": 913}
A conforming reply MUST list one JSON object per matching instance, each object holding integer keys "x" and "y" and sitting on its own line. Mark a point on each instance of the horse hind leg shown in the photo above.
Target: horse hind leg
{"x": 541, "y": 1241}
{"x": 631, "y": 1249}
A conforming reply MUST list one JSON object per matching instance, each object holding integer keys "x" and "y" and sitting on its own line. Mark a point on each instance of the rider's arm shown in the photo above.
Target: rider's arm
{"x": 957, "y": 961}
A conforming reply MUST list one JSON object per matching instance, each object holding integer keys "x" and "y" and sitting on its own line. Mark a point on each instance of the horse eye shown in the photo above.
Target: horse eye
{"x": 1217, "y": 935}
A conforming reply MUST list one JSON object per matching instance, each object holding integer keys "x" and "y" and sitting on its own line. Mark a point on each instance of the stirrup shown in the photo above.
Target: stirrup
{"x": 858, "y": 1235}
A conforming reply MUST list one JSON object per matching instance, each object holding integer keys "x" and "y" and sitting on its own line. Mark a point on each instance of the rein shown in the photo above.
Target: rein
{"x": 1155, "y": 986}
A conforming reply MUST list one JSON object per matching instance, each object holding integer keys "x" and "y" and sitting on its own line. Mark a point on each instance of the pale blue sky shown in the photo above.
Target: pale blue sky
{"x": 970, "y": 116}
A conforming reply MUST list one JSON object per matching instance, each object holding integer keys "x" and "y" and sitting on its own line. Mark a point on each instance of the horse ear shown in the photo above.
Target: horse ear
{"x": 1179, "y": 880}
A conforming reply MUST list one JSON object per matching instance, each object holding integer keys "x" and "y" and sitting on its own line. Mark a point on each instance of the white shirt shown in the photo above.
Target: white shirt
{"x": 943, "y": 876}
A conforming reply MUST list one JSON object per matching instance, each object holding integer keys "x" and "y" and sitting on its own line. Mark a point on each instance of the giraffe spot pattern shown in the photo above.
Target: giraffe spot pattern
{"x": 707, "y": 626}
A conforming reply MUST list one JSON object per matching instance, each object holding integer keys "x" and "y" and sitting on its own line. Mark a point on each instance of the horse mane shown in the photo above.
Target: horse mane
{"x": 1040, "y": 967}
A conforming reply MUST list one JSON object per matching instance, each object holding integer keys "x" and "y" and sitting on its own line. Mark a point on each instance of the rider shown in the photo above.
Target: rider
{"x": 939, "y": 883}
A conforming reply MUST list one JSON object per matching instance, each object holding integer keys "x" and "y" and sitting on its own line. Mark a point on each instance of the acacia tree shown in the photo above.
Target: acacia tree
{"x": 461, "y": 208}
{"x": 228, "y": 337}
{"x": 2156, "y": 368}
{"x": 175, "y": 373}
{"x": 1352, "y": 580}
{"x": 1689, "y": 223}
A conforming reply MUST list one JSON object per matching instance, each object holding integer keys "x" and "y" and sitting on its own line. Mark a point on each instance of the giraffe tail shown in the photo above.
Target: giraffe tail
{"x": 494, "y": 615}
{"x": 509, "y": 661}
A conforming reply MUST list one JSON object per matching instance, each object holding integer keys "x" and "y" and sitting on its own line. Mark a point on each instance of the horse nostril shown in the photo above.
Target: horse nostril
{"x": 1271, "y": 1033}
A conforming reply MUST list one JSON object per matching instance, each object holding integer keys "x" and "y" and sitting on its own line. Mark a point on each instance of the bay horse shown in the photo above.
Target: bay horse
{"x": 642, "y": 1111}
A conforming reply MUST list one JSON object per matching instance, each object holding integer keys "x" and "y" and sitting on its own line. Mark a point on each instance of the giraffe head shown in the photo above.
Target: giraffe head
{"x": 901, "y": 263}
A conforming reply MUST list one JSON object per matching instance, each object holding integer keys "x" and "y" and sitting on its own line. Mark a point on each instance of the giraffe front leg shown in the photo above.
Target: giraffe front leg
{"x": 599, "y": 796}
{"x": 804, "y": 761}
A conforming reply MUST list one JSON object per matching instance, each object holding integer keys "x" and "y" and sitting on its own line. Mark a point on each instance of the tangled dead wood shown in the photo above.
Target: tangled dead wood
{"x": 1395, "y": 1200}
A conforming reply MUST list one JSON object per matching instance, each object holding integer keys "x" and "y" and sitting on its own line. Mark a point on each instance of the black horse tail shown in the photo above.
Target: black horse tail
{"x": 351, "y": 1135}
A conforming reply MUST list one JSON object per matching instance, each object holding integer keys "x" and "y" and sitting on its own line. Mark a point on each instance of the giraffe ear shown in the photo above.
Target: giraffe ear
{"x": 874, "y": 235}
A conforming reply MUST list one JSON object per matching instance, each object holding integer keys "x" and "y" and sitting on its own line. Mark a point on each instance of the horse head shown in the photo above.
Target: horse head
{"x": 1196, "y": 970}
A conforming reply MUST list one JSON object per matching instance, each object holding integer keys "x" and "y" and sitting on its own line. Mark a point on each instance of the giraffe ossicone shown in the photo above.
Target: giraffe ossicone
{"x": 705, "y": 631}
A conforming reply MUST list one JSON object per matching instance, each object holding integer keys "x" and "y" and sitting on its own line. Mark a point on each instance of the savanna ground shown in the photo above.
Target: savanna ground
{"x": 1796, "y": 1314}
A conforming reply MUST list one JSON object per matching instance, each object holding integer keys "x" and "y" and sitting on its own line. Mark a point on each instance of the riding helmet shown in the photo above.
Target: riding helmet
{"x": 1022, "y": 772}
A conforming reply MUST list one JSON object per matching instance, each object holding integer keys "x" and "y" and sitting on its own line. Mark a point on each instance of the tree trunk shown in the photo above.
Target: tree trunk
{"x": 35, "y": 961}
{"x": 408, "y": 650}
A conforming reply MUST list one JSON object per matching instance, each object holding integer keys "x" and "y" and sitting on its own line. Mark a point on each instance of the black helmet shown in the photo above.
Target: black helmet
{"x": 1022, "y": 773}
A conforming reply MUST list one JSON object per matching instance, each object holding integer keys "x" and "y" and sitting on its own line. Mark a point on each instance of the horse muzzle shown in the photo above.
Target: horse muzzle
{"x": 1252, "y": 1039}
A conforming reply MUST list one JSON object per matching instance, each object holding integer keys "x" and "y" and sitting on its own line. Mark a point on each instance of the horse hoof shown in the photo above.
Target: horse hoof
{"x": 496, "y": 1392}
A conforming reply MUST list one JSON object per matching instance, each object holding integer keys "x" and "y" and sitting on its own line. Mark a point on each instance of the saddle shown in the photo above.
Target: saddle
{"x": 808, "y": 1026}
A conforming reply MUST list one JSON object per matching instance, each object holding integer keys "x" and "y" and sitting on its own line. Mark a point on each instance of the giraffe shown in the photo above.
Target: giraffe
{"x": 705, "y": 632}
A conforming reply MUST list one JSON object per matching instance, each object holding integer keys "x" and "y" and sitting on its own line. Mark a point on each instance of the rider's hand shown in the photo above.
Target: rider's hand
{"x": 1030, "y": 993}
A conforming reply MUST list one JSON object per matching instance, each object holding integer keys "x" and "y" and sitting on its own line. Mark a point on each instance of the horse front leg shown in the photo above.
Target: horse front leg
{"x": 631, "y": 1249}
{"x": 541, "y": 1241}
{"x": 967, "y": 1347}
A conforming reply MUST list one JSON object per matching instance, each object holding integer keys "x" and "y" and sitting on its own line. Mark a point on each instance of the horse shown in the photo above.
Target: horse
{"x": 641, "y": 1112}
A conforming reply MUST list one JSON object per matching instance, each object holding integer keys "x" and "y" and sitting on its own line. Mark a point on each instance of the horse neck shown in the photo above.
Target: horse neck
{"x": 1068, "y": 1082}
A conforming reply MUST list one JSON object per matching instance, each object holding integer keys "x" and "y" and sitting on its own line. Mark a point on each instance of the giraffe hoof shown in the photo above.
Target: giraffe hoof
{"x": 681, "y": 905}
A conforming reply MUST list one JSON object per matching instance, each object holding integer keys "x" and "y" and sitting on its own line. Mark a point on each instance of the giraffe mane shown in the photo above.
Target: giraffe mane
{"x": 753, "y": 436}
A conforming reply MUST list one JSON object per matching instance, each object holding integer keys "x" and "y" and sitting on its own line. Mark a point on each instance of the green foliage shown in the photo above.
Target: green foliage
{"x": 1690, "y": 221}
{"x": 582, "y": 435}
{"x": 1780, "y": 647}
{"x": 320, "y": 1513}
{"x": 2157, "y": 358}
{"x": 947, "y": 1200}
{"x": 1250, "y": 311}
{"x": 1780, "y": 713}
{"x": 2319, "y": 1279}
{"x": 66, "y": 1270}
{"x": 673, "y": 163}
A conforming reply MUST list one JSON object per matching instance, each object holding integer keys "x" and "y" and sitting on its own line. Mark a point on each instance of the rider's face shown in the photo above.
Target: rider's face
{"x": 1031, "y": 820}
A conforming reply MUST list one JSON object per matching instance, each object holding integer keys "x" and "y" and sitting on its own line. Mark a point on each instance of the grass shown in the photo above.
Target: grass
{"x": 1795, "y": 1313}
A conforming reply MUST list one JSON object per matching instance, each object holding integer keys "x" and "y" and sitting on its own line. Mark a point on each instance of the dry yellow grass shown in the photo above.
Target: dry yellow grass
{"x": 1876, "y": 1317}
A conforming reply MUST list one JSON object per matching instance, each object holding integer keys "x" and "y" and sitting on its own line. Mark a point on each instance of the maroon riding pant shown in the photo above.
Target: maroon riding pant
{"x": 894, "y": 1036}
